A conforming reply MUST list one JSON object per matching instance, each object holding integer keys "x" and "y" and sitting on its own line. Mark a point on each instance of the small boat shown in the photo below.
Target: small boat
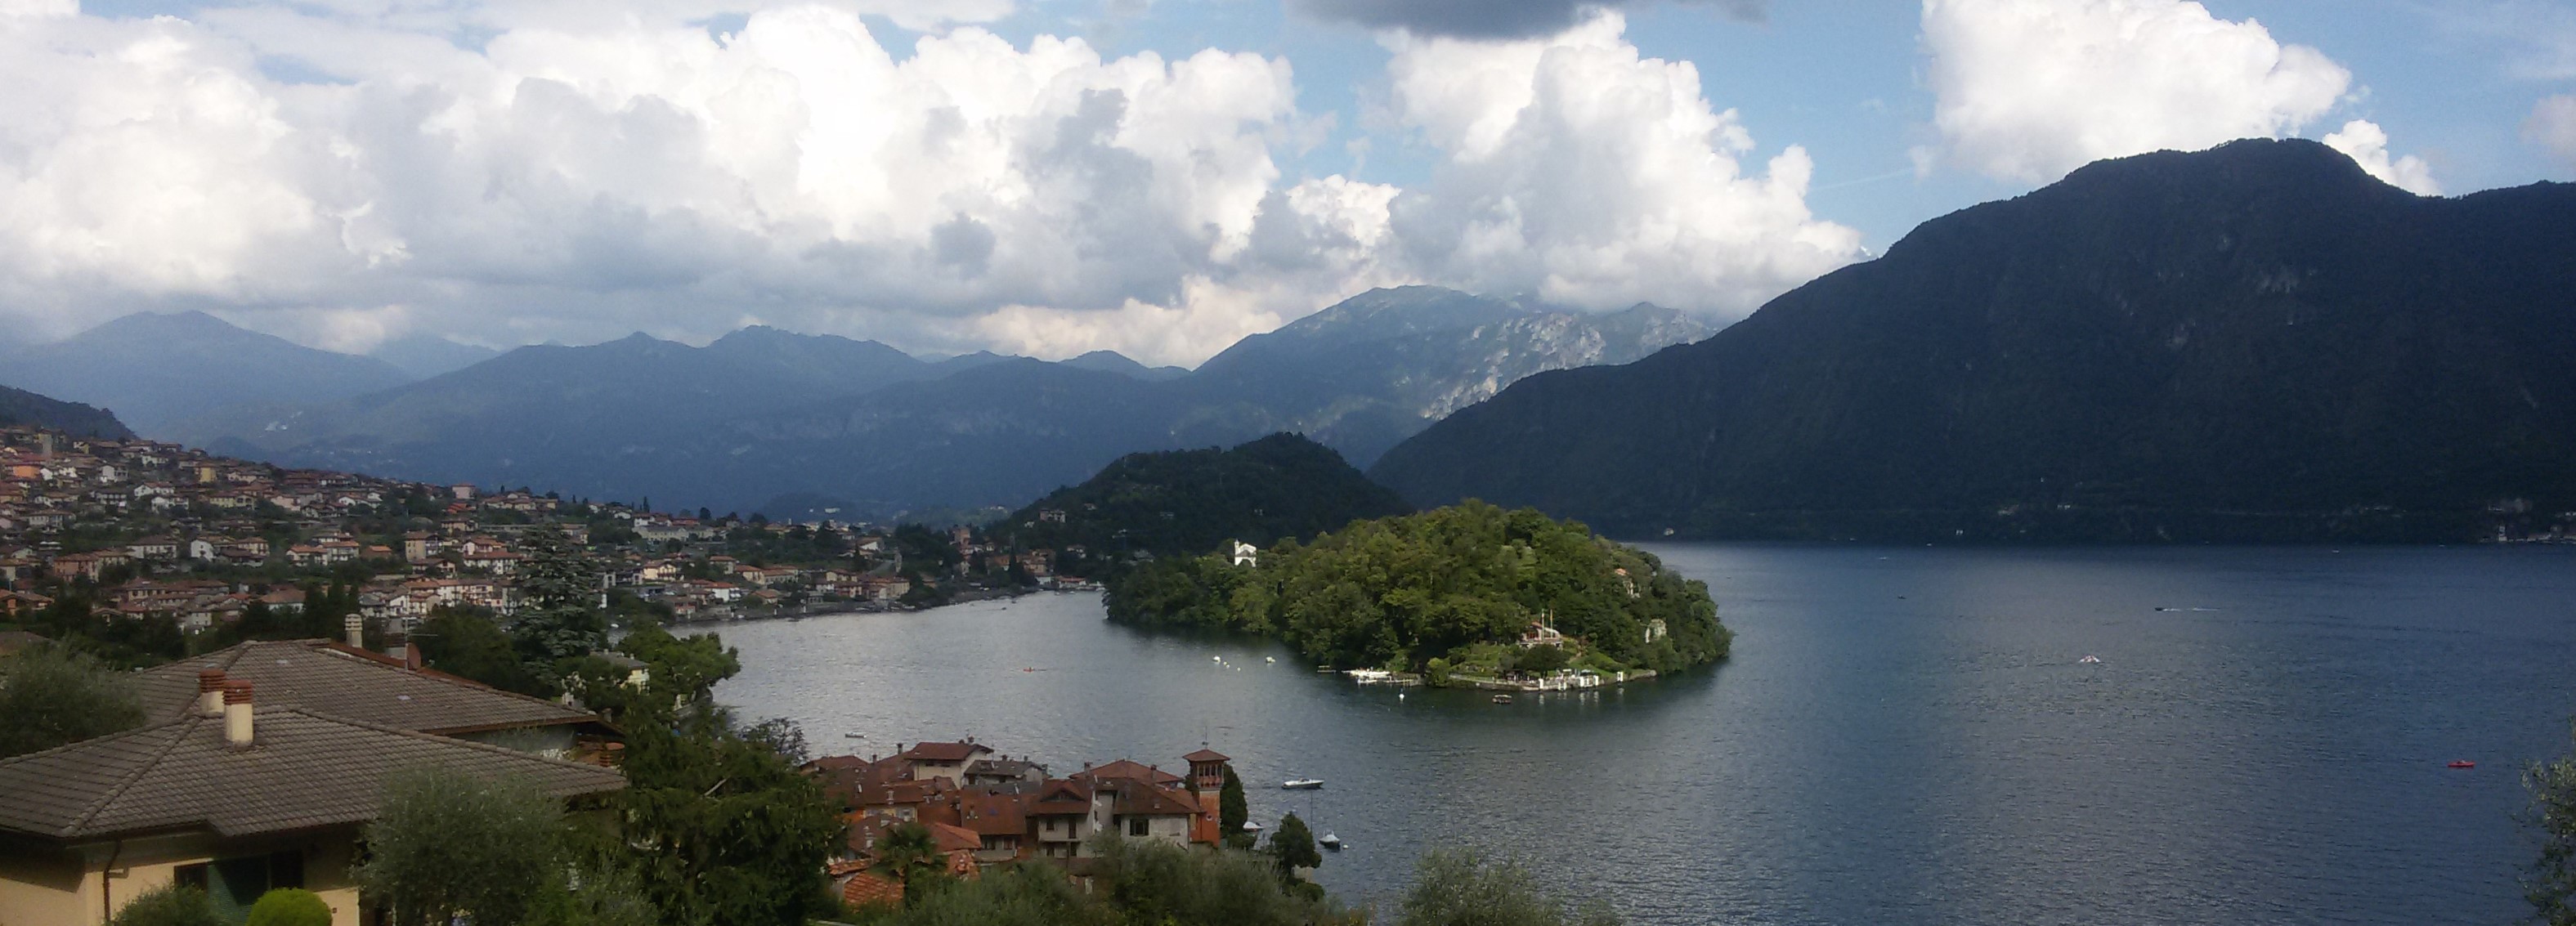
{"x": 1330, "y": 841}
{"x": 856, "y": 735}
{"x": 1502, "y": 699}
{"x": 1270, "y": 659}
{"x": 2089, "y": 660}
{"x": 1302, "y": 784}
{"x": 2463, "y": 763}
{"x": 1251, "y": 827}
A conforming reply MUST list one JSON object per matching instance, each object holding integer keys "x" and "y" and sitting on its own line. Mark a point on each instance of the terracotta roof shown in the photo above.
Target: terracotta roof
{"x": 356, "y": 684}
{"x": 1127, "y": 769}
{"x": 1148, "y": 800}
{"x": 953, "y": 838}
{"x": 1206, "y": 755}
{"x": 994, "y": 814}
{"x": 943, "y": 752}
{"x": 305, "y": 769}
{"x": 867, "y": 888}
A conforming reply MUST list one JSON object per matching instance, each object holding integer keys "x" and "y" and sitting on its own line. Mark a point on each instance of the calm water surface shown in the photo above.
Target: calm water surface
{"x": 1903, "y": 735}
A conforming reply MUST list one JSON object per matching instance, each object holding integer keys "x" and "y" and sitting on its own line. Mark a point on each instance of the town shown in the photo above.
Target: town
{"x": 177, "y": 544}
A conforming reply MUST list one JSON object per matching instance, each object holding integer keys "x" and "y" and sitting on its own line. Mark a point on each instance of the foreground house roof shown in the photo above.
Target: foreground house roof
{"x": 303, "y": 769}
{"x": 352, "y": 683}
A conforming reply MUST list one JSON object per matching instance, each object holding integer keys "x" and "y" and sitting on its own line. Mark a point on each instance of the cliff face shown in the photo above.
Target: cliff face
{"x": 2254, "y": 342}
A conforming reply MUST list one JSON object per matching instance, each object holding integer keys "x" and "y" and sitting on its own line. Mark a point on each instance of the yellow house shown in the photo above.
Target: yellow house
{"x": 230, "y": 797}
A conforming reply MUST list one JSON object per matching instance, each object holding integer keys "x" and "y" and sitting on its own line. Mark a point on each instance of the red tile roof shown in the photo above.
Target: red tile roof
{"x": 943, "y": 752}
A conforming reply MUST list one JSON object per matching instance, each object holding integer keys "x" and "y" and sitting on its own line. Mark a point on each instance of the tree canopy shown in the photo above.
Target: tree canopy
{"x": 51, "y": 696}
{"x": 2551, "y": 885}
{"x": 1404, "y": 590}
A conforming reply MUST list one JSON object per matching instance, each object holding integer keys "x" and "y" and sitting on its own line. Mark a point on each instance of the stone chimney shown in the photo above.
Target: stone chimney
{"x": 237, "y": 714}
{"x": 210, "y": 693}
{"x": 355, "y": 627}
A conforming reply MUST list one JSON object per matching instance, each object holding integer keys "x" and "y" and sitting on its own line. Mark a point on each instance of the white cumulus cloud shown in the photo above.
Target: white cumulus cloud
{"x": 1574, "y": 169}
{"x": 2552, "y": 126}
{"x": 2031, "y": 89}
{"x": 2367, "y": 144}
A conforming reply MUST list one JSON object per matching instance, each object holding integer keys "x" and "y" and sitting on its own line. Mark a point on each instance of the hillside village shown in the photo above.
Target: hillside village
{"x": 151, "y": 532}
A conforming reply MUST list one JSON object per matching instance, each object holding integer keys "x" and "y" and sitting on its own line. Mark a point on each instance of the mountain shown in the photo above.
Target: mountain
{"x": 163, "y": 372}
{"x": 1376, "y": 368}
{"x": 422, "y": 356}
{"x": 20, "y": 407}
{"x": 2255, "y": 342}
{"x": 1110, "y": 361}
{"x": 1191, "y": 501}
{"x": 763, "y": 414}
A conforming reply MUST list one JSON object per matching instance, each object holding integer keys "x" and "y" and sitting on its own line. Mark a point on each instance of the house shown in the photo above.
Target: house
{"x": 1244, "y": 554}
{"x": 942, "y": 760}
{"x": 236, "y": 799}
{"x": 1540, "y": 634}
{"x": 372, "y": 688}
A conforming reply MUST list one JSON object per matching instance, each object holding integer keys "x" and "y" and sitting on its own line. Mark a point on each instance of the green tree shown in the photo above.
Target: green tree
{"x": 2551, "y": 884}
{"x": 171, "y": 904}
{"x": 1232, "y": 811}
{"x": 728, "y": 830}
{"x": 1031, "y": 894}
{"x": 1462, "y": 888}
{"x": 1151, "y": 881}
{"x": 560, "y": 619}
{"x": 906, "y": 853}
{"x": 447, "y": 844}
{"x": 1292, "y": 845}
{"x": 1540, "y": 660}
{"x": 289, "y": 906}
{"x": 466, "y": 642}
{"x": 51, "y": 696}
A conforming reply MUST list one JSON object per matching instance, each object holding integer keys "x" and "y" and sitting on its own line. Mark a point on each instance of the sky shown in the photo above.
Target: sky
{"x": 1156, "y": 177}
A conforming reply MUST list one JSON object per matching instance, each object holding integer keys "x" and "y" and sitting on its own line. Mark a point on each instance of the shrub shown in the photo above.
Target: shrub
{"x": 168, "y": 905}
{"x": 289, "y": 906}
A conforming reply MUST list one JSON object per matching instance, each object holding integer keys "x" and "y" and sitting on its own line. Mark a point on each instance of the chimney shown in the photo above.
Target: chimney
{"x": 237, "y": 714}
{"x": 411, "y": 656}
{"x": 356, "y": 628}
{"x": 210, "y": 693}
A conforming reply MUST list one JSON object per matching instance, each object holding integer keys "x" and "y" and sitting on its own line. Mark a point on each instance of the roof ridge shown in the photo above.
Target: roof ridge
{"x": 379, "y": 660}
{"x": 327, "y": 717}
{"x": 140, "y": 769}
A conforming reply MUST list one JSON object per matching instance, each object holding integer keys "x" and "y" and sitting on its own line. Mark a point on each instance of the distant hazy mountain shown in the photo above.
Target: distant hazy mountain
{"x": 1110, "y": 361}
{"x": 423, "y": 356}
{"x": 20, "y": 407}
{"x": 2254, "y": 342}
{"x": 765, "y": 415}
{"x": 162, "y": 372}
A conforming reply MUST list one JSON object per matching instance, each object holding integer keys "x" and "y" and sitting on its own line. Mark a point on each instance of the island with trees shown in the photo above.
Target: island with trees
{"x": 1465, "y": 594}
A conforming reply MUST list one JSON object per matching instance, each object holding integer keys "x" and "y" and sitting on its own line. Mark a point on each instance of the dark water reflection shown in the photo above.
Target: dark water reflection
{"x": 1904, "y": 736}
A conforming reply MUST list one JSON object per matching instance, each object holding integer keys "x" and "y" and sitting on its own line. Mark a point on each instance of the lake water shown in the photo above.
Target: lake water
{"x": 1903, "y": 735}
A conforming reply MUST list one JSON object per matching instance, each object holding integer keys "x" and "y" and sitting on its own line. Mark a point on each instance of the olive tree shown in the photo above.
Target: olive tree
{"x": 51, "y": 696}
{"x": 1463, "y": 888}
{"x": 448, "y": 844}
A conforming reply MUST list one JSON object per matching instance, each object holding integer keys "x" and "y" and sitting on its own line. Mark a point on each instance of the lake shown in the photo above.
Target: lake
{"x": 1903, "y": 735}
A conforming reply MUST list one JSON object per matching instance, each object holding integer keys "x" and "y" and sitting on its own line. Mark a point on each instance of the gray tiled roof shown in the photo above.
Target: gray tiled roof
{"x": 342, "y": 682}
{"x": 304, "y": 769}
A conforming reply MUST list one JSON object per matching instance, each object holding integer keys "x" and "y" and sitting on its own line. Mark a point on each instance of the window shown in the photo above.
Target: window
{"x": 235, "y": 883}
{"x": 1137, "y": 826}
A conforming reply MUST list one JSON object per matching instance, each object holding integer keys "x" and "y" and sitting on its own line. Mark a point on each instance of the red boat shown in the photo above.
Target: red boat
{"x": 2463, "y": 763}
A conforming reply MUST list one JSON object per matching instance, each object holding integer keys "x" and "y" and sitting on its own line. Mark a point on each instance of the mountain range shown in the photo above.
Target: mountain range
{"x": 20, "y": 407}
{"x": 822, "y": 421}
{"x": 2256, "y": 342}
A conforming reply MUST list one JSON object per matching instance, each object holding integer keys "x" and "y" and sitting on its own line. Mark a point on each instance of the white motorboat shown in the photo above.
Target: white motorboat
{"x": 1302, "y": 784}
{"x": 1330, "y": 841}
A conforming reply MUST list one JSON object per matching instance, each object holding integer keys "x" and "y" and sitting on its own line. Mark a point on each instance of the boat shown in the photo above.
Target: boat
{"x": 1251, "y": 827}
{"x": 2463, "y": 763}
{"x": 1502, "y": 699}
{"x": 2088, "y": 660}
{"x": 1330, "y": 841}
{"x": 1302, "y": 784}
{"x": 856, "y": 735}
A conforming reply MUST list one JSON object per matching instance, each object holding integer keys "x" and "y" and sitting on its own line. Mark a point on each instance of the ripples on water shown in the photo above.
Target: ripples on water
{"x": 1903, "y": 736}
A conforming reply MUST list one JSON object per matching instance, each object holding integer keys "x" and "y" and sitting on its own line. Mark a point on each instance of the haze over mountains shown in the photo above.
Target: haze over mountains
{"x": 2254, "y": 342}
{"x": 763, "y": 413}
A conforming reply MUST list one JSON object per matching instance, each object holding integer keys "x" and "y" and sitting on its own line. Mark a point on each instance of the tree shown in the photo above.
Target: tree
{"x": 447, "y": 844}
{"x": 1231, "y": 810}
{"x": 1462, "y": 888}
{"x": 1293, "y": 846}
{"x": 2551, "y": 885}
{"x": 51, "y": 696}
{"x": 561, "y": 619}
{"x": 171, "y": 904}
{"x": 1151, "y": 881}
{"x": 905, "y": 852}
{"x": 1540, "y": 660}
{"x": 289, "y": 906}
{"x": 727, "y": 830}
{"x": 464, "y": 641}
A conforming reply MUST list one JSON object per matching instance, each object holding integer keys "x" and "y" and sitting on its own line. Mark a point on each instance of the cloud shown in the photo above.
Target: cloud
{"x": 2552, "y": 126}
{"x": 2367, "y": 144}
{"x": 2031, "y": 89}
{"x": 1574, "y": 169}
{"x": 1492, "y": 19}
{"x": 570, "y": 170}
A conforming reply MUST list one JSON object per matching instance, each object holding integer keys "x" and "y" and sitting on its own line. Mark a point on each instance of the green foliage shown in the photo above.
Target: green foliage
{"x": 726, "y": 830}
{"x": 2551, "y": 883}
{"x": 1231, "y": 808}
{"x": 1540, "y": 660}
{"x": 1030, "y": 894}
{"x": 1434, "y": 585}
{"x": 448, "y": 844}
{"x": 1188, "y": 501}
{"x": 465, "y": 641}
{"x": 171, "y": 904}
{"x": 51, "y": 696}
{"x": 1151, "y": 881}
{"x": 1292, "y": 845}
{"x": 1462, "y": 888}
{"x": 289, "y": 906}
